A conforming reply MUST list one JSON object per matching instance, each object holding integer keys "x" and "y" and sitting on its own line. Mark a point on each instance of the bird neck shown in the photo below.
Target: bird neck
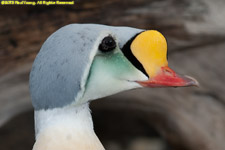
{"x": 69, "y": 128}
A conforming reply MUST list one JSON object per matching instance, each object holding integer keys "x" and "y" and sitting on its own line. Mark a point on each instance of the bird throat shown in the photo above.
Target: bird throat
{"x": 67, "y": 128}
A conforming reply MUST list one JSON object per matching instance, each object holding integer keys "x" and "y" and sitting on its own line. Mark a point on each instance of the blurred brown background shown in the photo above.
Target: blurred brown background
{"x": 143, "y": 119}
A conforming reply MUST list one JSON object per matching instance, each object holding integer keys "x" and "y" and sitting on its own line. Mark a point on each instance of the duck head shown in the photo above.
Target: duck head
{"x": 83, "y": 62}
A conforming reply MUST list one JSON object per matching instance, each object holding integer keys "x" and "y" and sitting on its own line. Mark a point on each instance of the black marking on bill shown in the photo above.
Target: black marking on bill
{"x": 128, "y": 53}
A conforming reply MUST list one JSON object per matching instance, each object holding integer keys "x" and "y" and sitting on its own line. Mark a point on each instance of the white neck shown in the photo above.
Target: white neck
{"x": 68, "y": 128}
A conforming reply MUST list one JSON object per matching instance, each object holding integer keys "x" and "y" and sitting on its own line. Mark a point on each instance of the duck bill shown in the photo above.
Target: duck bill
{"x": 166, "y": 77}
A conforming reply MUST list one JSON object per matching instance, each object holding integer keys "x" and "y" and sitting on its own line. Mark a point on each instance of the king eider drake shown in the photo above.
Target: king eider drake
{"x": 82, "y": 62}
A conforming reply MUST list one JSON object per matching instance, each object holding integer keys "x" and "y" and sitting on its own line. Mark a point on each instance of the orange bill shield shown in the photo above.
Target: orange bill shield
{"x": 150, "y": 49}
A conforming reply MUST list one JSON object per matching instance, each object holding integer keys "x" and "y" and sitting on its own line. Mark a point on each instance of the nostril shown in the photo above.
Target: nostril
{"x": 168, "y": 72}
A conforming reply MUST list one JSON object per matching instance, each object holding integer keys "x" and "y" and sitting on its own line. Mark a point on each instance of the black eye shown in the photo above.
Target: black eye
{"x": 107, "y": 44}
